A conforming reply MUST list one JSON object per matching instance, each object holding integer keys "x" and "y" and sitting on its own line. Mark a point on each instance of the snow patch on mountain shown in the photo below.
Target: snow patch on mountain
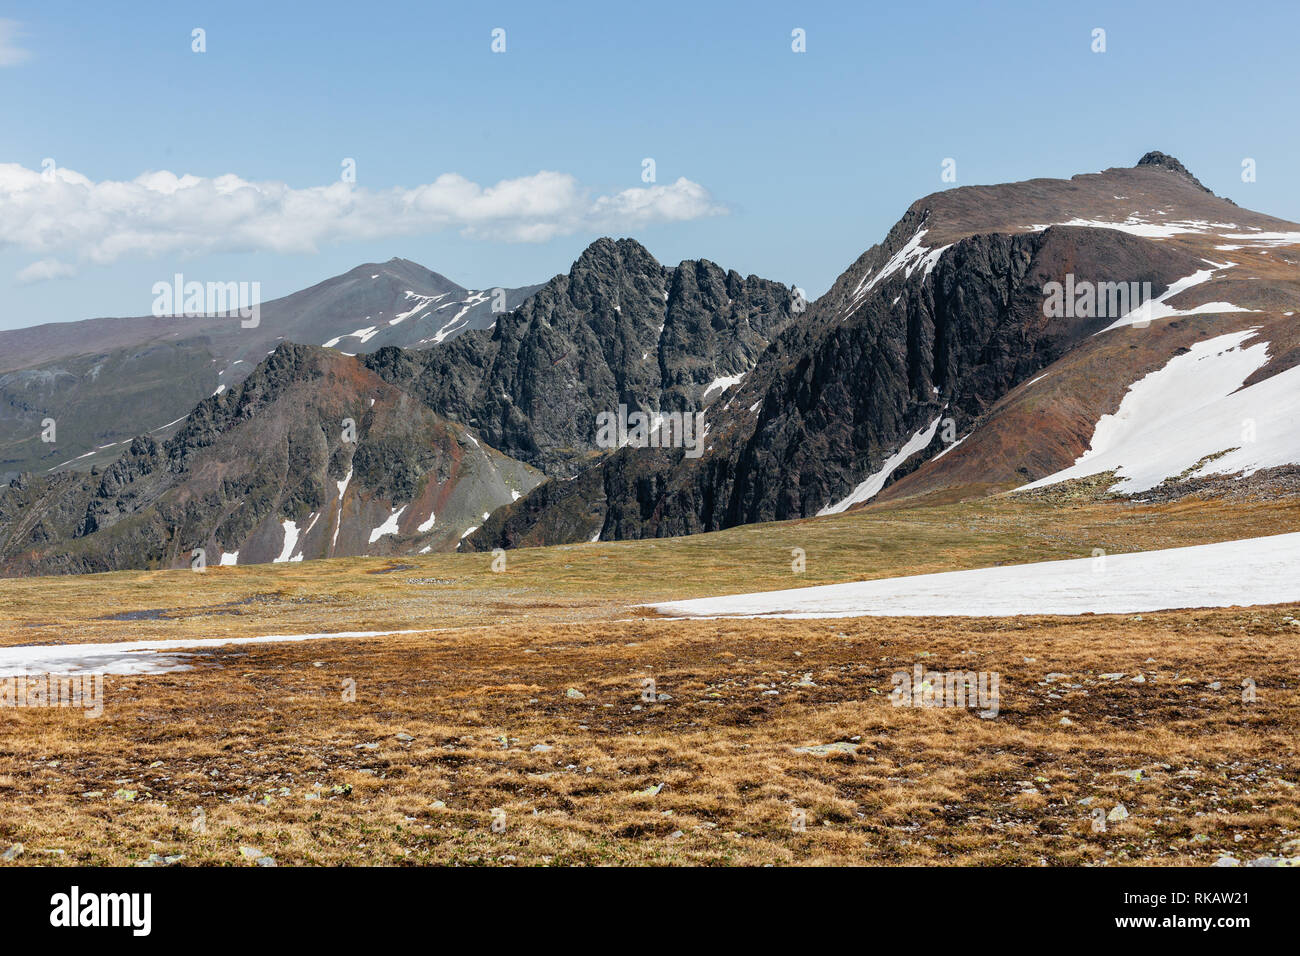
{"x": 1137, "y": 226}
{"x": 389, "y": 526}
{"x": 871, "y": 486}
{"x": 290, "y": 541}
{"x": 421, "y": 301}
{"x": 1194, "y": 414}
{"x": 1157, "y": 309}
{"x": 139, "y": 657}
{"x": 721, "y": 384}
{"x": 1261, "y": 238}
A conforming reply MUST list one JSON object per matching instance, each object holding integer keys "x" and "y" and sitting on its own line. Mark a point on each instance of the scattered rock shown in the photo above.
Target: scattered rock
{"x": 1118, "y": 815}
{"x": 13, "y": 853}
{"x": 574, "y": 694}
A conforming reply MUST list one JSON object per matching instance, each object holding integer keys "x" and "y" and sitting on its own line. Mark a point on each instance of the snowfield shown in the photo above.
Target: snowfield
{"x": 390, "y": 526}
{"x": 1135, "y": 225}
{"x": 137, "y": 657}
{"x": 1158, "y": 309}
{"x": 908, "y": 258}
{"x": 1230, "y": 574}
{"x": 1193, "y": 408}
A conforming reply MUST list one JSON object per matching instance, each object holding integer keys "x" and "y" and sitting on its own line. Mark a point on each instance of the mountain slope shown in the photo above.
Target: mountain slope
{"x": 617, "y": 329}
{"x": 258, "y": 472}
{"x": 910, "y": 374}
{"x": 269, "y": 470}
{"x": 104, "y": 381}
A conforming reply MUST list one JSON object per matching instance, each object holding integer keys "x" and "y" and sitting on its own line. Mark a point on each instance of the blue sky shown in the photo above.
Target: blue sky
{"x": 796, "y": 162}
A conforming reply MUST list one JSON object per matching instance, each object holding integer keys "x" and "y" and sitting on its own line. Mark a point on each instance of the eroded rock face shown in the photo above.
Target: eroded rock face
{"x": 270, "y": 470}
{"x": 835, "y": 397}
{"x": 260, "y": 469}
{"x": 1157, "y": 158}
{"x": 618, "y": 329}
{"x": 942, "y": 323}
{"x": 939, "y": 323}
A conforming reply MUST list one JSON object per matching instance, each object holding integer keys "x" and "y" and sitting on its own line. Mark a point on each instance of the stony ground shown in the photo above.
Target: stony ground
{"x": 539, "y": 718}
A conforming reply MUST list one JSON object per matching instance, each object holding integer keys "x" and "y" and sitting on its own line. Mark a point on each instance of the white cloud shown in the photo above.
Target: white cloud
{"x": 11, "y": 54}
{"x": 46, "y": 269}
{"x": 159, "y": 213}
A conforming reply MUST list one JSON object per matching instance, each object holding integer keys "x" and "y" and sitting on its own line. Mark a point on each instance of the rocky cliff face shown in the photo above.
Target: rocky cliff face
{"x": 260, "y": 472}
{"x": 912, "y": 347}
{"x": 311, "y": 456}
{"x": 618, "y": 329}
{"x": 931, "y": 367}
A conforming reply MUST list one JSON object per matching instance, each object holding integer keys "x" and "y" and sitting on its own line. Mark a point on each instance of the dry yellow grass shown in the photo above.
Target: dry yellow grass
{"x": 260, "y": 742}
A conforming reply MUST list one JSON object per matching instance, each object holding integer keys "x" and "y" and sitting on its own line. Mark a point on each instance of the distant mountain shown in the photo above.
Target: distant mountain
{"x": 932, "y": 370}
{"x": 618, "y": 329}
{"x": 1126, "y": 328}
{"x": 447, "y": 433}
{"x": 269, "y": 470}
{"x": 104, "y": 381}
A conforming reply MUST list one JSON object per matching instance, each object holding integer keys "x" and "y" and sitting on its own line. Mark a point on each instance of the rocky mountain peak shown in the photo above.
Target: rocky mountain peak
{"x": 1165, "y": 161}
{"x": 606, "y": 252}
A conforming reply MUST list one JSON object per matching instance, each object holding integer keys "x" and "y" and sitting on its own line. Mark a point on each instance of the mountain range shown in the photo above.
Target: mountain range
{"x": 390, "y": 411}
{"x": 105, "y": 381}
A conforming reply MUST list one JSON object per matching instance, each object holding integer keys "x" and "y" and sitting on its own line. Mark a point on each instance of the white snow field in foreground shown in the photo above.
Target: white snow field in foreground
{"x": 1232, "y": 573}
{"x": 1192, "y": 408}
{"x": 136, "y": 657}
